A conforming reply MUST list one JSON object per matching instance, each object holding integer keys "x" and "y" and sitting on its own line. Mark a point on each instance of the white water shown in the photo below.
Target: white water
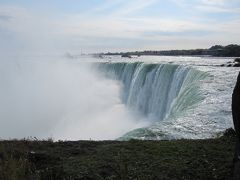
{"x": 66, "y": 99}
{"x": 156, "y": 90}
{"x": 202, "y": 109}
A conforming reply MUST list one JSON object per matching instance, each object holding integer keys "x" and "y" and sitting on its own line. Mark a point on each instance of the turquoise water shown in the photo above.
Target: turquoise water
{"x": 156, "y": 91}
{"x": 201, "y": 109}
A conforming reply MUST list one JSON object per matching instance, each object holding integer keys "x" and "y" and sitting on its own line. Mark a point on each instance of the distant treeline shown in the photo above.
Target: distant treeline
{"x": 231, "y": 50}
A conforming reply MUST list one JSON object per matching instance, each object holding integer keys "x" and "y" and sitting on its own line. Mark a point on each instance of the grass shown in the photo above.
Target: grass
{"x": 134, "y": 159}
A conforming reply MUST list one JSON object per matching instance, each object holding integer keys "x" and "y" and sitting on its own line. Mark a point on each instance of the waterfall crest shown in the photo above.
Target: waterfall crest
{"x": 157, "y": 91}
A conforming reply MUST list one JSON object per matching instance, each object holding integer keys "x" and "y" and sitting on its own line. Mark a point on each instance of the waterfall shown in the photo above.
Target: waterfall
{"x": 157, "y": 91}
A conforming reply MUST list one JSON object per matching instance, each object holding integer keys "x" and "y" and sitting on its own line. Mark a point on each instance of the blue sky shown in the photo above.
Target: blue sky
{"x": 116, "y": 25}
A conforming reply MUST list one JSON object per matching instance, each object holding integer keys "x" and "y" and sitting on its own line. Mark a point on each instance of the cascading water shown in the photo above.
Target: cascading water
{"x": 66, "y": 99}
{"x": 160, "y": 92}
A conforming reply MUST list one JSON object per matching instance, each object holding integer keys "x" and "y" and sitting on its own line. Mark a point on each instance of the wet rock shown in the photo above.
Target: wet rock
{"x": 127, "y": 56}
{"x": 236, "y": 65}
{"x": 237, "y": 60}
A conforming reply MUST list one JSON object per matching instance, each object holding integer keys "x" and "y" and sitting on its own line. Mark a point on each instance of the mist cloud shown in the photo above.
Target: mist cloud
{"x": 60, "y": 99}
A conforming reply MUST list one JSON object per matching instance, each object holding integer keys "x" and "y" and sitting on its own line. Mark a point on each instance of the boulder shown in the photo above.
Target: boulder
{"x": 127, "y": 55}
{"x": 236, "y": 122}
{"x": 236, "y": 65}
{"x": 237, "y": 60}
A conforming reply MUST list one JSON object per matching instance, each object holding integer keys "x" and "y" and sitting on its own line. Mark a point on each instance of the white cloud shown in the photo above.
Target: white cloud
{"x": 133, "y": 6}
{"x": 215, "y": 2}
{"x": 210, "y": 6}
{"x": 41, "y": 32}
{"x": 218, "y": 6}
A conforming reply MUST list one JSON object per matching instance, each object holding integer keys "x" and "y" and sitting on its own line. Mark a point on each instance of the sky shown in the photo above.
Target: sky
{"x": 91, "y": 26}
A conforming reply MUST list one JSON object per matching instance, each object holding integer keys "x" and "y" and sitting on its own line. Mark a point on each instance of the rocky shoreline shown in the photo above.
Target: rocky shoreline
{"x": 235, "y": 63}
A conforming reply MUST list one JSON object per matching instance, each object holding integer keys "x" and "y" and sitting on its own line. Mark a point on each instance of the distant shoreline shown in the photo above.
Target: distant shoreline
{"x": 231, "y": 50}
